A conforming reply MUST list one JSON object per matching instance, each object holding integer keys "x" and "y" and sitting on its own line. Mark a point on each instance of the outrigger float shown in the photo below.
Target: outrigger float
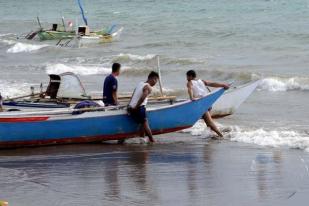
{"x": 21, "y": 129}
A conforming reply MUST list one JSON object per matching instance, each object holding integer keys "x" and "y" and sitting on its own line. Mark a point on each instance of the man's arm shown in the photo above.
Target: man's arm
{"x": 215, "y": 84}
{"x": 190, "y": 92}
{"x": 146, "y": 92}
{"x": 115, "y": 96}
{"x": 114, "y": 92}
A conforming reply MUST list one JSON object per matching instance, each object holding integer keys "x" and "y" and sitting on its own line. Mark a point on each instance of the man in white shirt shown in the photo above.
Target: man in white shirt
{"x": 197, "y": 88}
{"x": 138, "y": 102}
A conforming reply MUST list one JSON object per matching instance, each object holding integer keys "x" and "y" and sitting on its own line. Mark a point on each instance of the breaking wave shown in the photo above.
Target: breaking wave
{"x": 92, "y": 69}
{"x": 24, "y": 47}
{"x": 276, "y": 84}
{"x": 77, "y": 69}
{"x": 133, "y": 57}
{"x": 11, "y": 89}
{"x": 272, "y": 138}
{"x": 151, "y": 59}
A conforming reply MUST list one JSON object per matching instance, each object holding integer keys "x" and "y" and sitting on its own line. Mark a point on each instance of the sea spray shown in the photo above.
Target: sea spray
{"x": 23, "y": 47}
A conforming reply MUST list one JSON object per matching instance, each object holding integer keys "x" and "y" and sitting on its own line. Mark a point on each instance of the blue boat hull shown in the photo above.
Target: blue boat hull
{"x": 100, "y": 126}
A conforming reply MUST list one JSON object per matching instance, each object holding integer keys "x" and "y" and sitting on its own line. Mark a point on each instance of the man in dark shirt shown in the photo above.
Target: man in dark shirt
{"x": 110, "y": 86}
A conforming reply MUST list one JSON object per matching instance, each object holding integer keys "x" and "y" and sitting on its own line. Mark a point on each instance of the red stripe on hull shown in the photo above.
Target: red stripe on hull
{"x": 23, "y": 119}
{"x": 77, "y": 140}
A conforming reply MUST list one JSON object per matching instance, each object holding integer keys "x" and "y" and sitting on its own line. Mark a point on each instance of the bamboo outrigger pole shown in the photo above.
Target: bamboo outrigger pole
{"x": 39, "y": 22}
{"x": 159, "y": 71}
{"x": 63, "y": 24}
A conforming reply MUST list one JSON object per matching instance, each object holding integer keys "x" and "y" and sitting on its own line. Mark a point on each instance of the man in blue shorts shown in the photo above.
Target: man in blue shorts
{"x": 138, "y": 102}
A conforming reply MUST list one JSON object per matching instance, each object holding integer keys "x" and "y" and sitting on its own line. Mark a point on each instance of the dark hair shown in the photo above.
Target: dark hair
{"x": 116, "y": 67}
{"x": 153, "y": 74}
{"x": 191, "y": 73}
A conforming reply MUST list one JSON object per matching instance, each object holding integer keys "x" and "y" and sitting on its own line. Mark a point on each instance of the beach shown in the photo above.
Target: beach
{"x": 173, "y": 172}
{"x": 263, "y": 157}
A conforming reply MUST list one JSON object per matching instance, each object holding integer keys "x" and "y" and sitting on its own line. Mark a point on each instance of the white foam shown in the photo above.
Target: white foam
{"x": 272, "y": 138}
{"x": 23, "y": 47}
{"x": 12, "y": 89}
{"x": 276, "y": 84}
{"x": 77, "y": 69}
{"x": 7, "y": 34}
{"x": 263, "y": 137}
{"x": 8, "y": 42}
{"x": 200, "y": 129}
{"x": 134, "y": 57}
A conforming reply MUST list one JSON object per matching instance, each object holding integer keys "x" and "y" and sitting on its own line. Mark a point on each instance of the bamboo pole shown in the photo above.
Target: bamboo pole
{"x": 159, "y": 71}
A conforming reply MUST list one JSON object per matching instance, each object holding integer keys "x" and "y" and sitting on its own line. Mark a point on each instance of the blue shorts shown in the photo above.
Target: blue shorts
{"x": 139, "y": 115}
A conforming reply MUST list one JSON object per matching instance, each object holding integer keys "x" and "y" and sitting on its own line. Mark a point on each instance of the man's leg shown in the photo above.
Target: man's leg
{"x": 210, "y": 123}
{"x": 148, "y": 130}
{"x": 142, "y": 131}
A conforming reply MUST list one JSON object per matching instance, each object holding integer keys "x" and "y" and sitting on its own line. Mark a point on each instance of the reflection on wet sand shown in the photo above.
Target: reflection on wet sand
{"x": 268, "y": 171}
{"x": 163, "y": 174}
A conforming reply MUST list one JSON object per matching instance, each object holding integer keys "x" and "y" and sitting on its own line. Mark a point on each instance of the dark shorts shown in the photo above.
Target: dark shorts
{"x": 139, "y": 115}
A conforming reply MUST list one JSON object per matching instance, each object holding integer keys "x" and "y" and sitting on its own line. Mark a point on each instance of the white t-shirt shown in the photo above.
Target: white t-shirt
{"x": 138, "y": 92}
{"x": 199, "y": 88}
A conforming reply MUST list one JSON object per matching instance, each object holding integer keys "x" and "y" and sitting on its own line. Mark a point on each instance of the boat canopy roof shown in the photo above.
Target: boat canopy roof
{"x": 65, "y": 85}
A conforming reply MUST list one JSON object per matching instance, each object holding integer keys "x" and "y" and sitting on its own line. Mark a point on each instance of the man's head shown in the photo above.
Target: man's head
{"x": 116, "y": 69}
{"x": 191, "y": 75}
{"x": 153, "y": 78}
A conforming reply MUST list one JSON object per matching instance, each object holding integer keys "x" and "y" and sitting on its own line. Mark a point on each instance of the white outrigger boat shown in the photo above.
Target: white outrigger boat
{"x": 66, "y": 90}
{"x": 230, "y": 101}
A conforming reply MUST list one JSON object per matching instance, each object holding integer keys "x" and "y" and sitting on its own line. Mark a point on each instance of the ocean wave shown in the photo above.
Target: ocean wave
{"x": 93, "y": 69}
{"x": 24, "y": 47}
{"x": 11, "y": 88}
{"x": 133, "y": 57}
{"x": 198, "y": 129}
{"x": 151, "y": 58}
{"x": 6, "y": 34}
{"x": 272, "y": 138}
{"x": 167, "y": 91}
{"x": 7, "y": 41}
{"x": 182, "y": 61}
{"x": 277, "y": 84}
{"x": 77, "y": 69}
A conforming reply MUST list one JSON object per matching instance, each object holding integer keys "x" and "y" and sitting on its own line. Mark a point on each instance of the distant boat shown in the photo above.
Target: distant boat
{"x": 82, "y": 33}
{"x": 20, "y": 129}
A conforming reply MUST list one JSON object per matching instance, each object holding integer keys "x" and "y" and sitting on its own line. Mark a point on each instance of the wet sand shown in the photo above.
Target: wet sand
{"x": 178, "y": 170}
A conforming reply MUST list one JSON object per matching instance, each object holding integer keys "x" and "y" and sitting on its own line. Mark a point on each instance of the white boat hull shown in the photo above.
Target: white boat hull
{"x": 232, "y": 99}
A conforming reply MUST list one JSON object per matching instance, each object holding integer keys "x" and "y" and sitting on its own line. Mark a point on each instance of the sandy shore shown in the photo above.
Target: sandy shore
{"x": 174, "y": 171}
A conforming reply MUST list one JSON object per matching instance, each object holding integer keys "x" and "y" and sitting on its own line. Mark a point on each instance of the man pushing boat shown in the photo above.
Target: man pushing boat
{"x": 138, "y": 102}
{"x": 197, "y": 88}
